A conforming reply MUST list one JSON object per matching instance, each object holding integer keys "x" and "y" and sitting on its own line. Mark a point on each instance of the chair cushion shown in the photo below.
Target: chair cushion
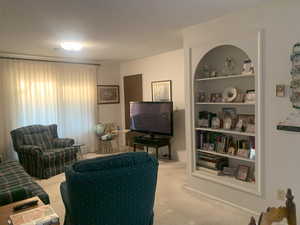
{"x": 43, "y": 140}
{"x": 59, "y": 154}
{"x": 131, "y": 159}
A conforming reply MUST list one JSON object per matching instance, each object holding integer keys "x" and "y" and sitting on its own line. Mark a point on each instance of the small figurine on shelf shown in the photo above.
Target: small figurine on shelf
{"x": 229, "y": 118}
{"x": 202, "y": 97}
{"x": 205, "y": 71}
{"x": 213, "y": 73}
{"x": 229, "y": 66}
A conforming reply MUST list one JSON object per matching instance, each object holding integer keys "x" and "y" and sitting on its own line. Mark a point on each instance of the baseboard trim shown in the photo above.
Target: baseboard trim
{"x": 222, "y": 201}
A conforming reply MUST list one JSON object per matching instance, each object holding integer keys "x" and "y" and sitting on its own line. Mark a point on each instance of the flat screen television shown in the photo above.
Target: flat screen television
{"x": 152, "y": 117}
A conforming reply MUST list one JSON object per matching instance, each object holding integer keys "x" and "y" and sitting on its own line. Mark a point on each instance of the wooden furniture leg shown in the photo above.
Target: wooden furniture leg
{"x": 157, "y": 153}
{"x": 169, "y": 146}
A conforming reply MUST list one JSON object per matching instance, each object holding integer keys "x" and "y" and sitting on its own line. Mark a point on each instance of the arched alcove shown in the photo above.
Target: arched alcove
{"x": 215, "y": 61}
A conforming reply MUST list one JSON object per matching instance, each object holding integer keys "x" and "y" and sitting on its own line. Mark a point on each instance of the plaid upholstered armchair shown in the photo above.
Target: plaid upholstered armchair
{"x": 41, "y": 152}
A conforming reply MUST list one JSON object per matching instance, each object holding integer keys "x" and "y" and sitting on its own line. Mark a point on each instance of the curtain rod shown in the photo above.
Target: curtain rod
{"x": 47, "y": 60}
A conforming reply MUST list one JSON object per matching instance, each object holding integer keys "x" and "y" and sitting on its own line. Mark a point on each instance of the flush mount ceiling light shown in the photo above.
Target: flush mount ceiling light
{"x": 71, "y": 46}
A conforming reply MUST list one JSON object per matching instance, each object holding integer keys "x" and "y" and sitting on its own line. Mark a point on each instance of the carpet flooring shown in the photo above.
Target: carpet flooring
{"x": 174, "y": 205}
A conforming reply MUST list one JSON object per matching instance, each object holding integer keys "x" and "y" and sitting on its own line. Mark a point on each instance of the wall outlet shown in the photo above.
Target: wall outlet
{"x": 281, "y": 194}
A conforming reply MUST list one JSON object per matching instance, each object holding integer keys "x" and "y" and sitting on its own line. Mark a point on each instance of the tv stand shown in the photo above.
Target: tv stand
{"x": 153, "y": 142}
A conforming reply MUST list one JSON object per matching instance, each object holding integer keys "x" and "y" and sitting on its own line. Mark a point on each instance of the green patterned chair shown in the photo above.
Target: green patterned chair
{"x": 112, "y": 190}
{"x": 41, "y": 152}
{"x": 17, "y": 185}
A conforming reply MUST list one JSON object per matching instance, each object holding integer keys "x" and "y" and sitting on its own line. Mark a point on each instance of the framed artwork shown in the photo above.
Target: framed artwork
{"x": 280, "y": 90}
{"x": 108, "y": 94}
{"x": 161, "y": 91}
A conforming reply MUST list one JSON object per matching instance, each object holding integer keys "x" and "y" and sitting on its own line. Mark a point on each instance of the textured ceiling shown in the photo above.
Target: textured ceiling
{"x": 109, "y": 29}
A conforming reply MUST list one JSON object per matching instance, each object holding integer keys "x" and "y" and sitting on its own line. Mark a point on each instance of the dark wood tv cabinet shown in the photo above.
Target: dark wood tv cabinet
{"x": 152, "y": 142}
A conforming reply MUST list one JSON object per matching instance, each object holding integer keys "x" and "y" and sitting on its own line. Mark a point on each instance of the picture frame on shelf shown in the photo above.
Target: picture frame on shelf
{"x": 108, "y": 94}
{"x": 215, "y": 122}
{"x": 231, "y": 112}
{"x": 246, "y": 123}
{"x": 161, "y": 91}
{"x": 242, "y": 172}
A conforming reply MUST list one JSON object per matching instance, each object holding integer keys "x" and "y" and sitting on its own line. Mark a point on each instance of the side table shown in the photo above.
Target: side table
{"x": 7, "y": 210}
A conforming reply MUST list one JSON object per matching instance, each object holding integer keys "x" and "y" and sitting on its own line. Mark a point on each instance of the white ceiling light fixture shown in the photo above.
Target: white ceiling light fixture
{"x": 71, "y": 46}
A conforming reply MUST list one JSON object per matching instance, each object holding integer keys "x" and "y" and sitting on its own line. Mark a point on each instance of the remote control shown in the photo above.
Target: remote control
{"x": 25, "y": 205}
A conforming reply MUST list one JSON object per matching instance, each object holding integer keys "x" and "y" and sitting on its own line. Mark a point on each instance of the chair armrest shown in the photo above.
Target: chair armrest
{"x": 63, "y": 142}
{"x": 65, "y": 195}
{"x": 14, "y": 195}
{"x": 30, "y": 149}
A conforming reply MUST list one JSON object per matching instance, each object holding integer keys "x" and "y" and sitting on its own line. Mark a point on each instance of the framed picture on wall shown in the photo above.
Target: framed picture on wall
{"x": 161, "y": 91}
{"x": 108, "y": 94}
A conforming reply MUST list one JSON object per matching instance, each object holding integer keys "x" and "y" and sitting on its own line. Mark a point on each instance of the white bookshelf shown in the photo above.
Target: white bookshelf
{"x": 218, "y": 84}
{"x": 248, "y": 187}
{"x": 227, "y": 155}
{"x": 226, "y": 103}
{"x": 226, "y": 77}
{"x": 233, "y": 132}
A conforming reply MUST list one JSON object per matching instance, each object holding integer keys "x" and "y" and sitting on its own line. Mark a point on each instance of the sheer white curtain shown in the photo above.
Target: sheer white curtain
{"x": 34, "y": 92}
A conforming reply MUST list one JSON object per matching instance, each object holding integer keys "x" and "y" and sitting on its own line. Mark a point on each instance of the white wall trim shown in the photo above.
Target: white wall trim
{"x": 48, "y": 58}
{"x": 211, "y": 197}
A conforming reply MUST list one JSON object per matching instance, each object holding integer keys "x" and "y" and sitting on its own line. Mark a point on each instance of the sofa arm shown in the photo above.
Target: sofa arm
{"x": 63, "y": 142}
{"x": 65, "y": 197}
{"x": 14, "y": 195}
{"x": 30, "y": 149}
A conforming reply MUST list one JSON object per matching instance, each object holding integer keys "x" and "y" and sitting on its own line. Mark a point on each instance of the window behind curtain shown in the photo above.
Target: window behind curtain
{"x": 44, "y": 93}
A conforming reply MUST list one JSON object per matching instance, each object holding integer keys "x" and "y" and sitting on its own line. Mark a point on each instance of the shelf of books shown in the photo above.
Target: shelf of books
{"x": 225, "y": 111}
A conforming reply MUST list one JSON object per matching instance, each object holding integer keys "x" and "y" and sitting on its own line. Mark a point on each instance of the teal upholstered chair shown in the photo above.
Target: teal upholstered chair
{"x": 113, "y": 190}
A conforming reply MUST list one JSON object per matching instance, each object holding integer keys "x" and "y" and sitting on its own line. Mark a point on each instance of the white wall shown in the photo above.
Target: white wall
{"x": 279, "y": 21}
{"x": 109, "y": 74}
{"x": 166, "y": 66}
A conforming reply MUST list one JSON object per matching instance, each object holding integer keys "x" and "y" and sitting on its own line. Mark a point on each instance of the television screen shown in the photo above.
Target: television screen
{"x": 152, "y": 117}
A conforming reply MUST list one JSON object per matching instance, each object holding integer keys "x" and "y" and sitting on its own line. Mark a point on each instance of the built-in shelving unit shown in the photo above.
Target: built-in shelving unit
{"x": 226, "y": 103}
{"x": 248, "y": 187}
{"x": 226, "y": 131}
{"x": 226, "y": 77}
{"x": 226, "y": 155}
{"x": 244, "y": 82}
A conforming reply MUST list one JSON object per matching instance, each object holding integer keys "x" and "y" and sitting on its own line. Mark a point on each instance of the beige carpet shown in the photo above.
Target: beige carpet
{"x": 174, "y": 205}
